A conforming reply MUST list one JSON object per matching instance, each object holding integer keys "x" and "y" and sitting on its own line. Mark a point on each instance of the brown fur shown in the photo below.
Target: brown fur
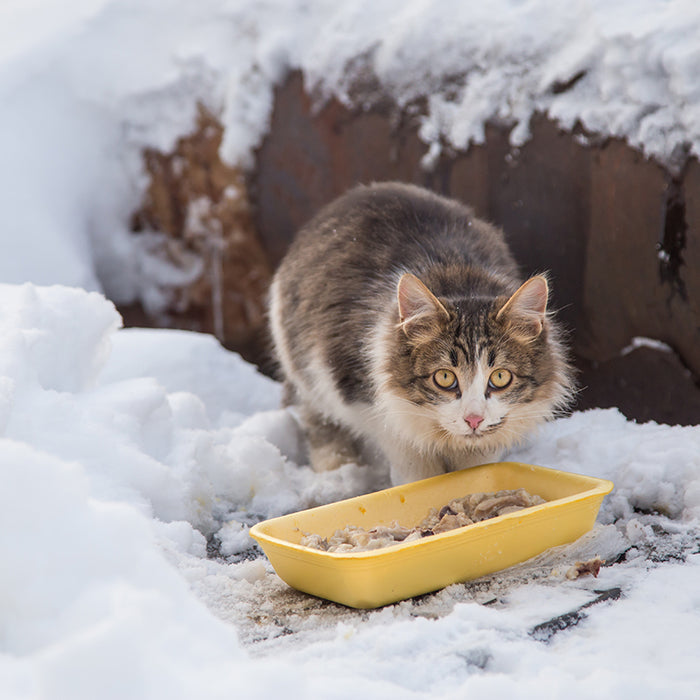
{"x": 387, "y": 285}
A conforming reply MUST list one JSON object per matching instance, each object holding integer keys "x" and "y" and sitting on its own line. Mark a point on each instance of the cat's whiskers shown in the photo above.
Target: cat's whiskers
{"x": 537, "y": 413}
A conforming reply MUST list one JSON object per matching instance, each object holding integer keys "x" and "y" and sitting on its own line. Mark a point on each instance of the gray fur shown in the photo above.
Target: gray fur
{"x": 363, "y": 380}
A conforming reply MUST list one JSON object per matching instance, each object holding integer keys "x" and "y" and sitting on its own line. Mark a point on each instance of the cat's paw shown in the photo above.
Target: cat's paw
{"x": 331, "y": 456}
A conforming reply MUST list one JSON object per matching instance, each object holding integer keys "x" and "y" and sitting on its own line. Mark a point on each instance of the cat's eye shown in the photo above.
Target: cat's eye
{"x": 445, "y": 379}
{"x": 500, "y": 378}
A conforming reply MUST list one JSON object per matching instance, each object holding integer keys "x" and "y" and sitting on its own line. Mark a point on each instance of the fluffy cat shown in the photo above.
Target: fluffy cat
{"x": 405, "y": 335}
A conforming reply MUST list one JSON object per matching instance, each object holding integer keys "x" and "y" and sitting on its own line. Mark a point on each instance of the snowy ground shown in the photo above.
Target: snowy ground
{"x": 132, "y": 462}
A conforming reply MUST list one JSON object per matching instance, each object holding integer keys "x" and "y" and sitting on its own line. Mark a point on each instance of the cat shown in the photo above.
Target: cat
{"x": 405, "y": 335}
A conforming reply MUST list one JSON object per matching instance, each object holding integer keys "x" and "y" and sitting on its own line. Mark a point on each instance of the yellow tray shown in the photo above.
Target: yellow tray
{"x": 382, "y": 576}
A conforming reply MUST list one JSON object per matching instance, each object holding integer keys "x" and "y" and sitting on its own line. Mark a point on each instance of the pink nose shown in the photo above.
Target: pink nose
{"x": 474, "y": 420}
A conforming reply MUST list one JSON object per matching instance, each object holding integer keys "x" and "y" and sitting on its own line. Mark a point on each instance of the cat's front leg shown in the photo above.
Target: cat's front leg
{"x": 330, "y": 445}
{"x": 465, "y": 460}
{"x": 408, "y": 464}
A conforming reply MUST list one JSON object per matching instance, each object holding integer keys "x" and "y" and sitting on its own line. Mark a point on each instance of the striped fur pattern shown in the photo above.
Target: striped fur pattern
{"x": 405, "y": 335}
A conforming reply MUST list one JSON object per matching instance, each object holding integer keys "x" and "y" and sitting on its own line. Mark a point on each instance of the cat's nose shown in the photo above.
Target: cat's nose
{"x": 474, "y": 420}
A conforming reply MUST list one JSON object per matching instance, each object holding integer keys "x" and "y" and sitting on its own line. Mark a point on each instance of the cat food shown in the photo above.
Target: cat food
{"x": 459, "y": 512}
{"x": 370, "y": 579}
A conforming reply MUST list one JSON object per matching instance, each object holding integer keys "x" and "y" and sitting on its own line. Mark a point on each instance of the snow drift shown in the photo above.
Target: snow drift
{"x": 127, "y": 456}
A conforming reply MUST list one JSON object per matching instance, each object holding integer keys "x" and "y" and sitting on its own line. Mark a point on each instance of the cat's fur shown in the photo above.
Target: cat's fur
{"x": 384, "y": 287}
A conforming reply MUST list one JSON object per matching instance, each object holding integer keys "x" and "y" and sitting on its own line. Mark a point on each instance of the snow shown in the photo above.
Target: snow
{"x": 650, "y": 343}
{"x": 86, "y": 85}
{"x": 133, "y": 462}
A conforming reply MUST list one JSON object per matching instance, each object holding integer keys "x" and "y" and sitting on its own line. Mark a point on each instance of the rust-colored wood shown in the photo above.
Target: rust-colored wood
{"x": 618, "y": 232}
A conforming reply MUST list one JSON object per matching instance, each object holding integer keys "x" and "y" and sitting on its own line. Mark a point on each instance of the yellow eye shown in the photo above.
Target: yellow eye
{"x": 445, "y": 379}
{"x": 500, "y": 379}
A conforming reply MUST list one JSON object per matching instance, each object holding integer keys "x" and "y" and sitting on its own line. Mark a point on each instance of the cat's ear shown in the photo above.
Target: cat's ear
{"x": 418, "y": 306}
{"x": 527, "y": 308}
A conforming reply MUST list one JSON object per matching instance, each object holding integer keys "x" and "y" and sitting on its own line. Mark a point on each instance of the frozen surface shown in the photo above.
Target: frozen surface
{"x": 128, "y": 482}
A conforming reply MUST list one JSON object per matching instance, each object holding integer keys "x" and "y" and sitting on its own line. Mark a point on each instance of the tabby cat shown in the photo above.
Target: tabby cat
{"x": 405, "y": 336}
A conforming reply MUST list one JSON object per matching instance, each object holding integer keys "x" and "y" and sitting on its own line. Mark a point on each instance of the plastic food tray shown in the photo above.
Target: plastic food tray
{"x": 383, "y": 576}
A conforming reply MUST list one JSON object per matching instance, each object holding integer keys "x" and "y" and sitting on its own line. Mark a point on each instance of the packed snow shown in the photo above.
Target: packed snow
{"x": 133, "y": 462}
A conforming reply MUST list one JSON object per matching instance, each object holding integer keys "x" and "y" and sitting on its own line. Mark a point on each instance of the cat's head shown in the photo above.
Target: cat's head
{"x": 476, "y": 373}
